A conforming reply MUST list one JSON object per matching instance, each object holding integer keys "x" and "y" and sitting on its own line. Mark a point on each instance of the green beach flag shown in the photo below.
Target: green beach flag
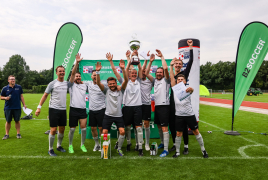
{"x": 67, "y": 45}
{"x": 251, "y": 51}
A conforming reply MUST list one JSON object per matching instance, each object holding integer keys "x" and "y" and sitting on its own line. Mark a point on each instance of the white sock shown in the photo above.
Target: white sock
{"x": 161, "y": 135}
{"x": 120, "y": 141}
{"x": 71, "y": 136}
{"x": 185, "y": 145}
{"x": 166, "y": 140}
{"x": 51, "y": 139}
{"x": 147, "y": 135}
{"x": 200, "y": 141}
{"x": 96, "y": 139}
{"x": 140, "y": 136}
{"x": 60, "y": 138}
{"x": 136, "y": 136}
{"x": 128, "y": 134}
{"x": 83, "y": 136}
{"x": 178, "y": 144}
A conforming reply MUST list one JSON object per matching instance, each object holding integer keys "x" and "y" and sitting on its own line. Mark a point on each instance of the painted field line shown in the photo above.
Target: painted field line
{"x": 127, "y": 157}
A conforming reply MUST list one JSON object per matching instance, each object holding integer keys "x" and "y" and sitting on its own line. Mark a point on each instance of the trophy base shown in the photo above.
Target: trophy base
{"x": 135, "y": 60}
{"x": 135, "y": 63}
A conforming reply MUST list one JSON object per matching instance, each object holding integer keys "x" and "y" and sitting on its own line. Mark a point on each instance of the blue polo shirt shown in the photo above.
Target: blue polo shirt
{"x": 14, "y": 101}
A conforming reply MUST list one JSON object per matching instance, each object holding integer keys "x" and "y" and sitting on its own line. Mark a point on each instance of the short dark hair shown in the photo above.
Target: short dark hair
{"x": 181, "y": 75}
{"x": 93, "y": 71}
{"x": 111, "y": 79}
{"x": 78, "y": 73}
{"x": 160, "y": 68}
{"x": 11, "y": 76}
{"x": 59, "y": 67}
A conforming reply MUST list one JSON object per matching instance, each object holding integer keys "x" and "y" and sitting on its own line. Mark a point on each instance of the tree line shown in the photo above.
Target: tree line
{"x": 219, "y": 76}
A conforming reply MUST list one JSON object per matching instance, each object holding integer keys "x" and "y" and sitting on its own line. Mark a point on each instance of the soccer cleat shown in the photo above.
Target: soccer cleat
{"x": 96, "y": 148}
{"x": 161, "y": 146}
{"x": 147, "y": 147}
{"x": 140, "y": 152}
{"x": 120, "y": 152}
{"x": 18, "y": 136}
{"x": 84, "y": 149}
{"x": 116, "y": 145}
{"x": 185, "y": 151}
{"x": 128, "y": 147}
{"x": 51, "y": 153}
{"x": 136, "y": 147}
{"x": 172, "y": 149}
{"x": 99, "y": 148}
{"x": 164, "y": 153}
{"x": 71, "y": 149}
{"x": 176, "y": 155}
{"x": 5, "y": 137}
{"x": 205, "y": 154}
{"x": 61, "y": 149}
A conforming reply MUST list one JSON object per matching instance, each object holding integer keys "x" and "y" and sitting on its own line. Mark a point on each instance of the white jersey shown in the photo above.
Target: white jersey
{"x": 146, "y": 87}
{"x": 96, "y": 97}
{"x": 184, "y": 107}
{"x": 113, "y": 102}
{"x": 77, "y": 95}
{"x": 132, "y": 95}
{"x": 161, "y": 91}
{"x": 58, "y": 92}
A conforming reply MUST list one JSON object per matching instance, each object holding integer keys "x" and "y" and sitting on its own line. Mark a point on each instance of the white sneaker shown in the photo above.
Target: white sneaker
{"x": 147, "y": 147}
{"x": 96, "y": 148}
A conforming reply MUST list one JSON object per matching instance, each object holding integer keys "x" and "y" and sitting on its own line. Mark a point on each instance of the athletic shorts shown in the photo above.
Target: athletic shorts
{"x": 96, "y": 118}
{"x": 109, "y": 120}
{"x": 161, "y": 115}
{"x": 146, "y": 112}
{"x": 15, "y": 113}
{"x": 182, "y": 121}
{"x": 132, "y": 115}
{"x": 57, "y": 117}
{"x": 75, "y": 114}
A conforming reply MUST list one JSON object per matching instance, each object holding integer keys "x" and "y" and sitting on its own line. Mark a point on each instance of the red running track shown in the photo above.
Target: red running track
{"x": 244, "y": 103}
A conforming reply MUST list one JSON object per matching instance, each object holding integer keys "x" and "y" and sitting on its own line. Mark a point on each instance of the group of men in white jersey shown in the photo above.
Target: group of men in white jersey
{"x": 106, "y": 100}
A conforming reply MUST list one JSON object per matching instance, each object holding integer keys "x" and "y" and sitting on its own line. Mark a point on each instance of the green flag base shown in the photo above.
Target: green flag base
{"x": 234, "y": 133}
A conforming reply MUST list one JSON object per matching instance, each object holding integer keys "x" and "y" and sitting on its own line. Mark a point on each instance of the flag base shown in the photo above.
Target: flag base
{"x": 234, "y": 133}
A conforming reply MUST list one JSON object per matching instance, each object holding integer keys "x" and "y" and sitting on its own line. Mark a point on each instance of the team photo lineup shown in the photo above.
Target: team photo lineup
{"x": 125, "y": 104}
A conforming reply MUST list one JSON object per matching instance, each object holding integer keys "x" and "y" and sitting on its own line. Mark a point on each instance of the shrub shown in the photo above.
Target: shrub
{"x": 39, "y": 89}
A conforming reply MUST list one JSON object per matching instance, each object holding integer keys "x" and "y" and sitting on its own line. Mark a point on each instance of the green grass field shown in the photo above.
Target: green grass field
{"x": 260, "y": 98}
{"x": 230, "y": 157}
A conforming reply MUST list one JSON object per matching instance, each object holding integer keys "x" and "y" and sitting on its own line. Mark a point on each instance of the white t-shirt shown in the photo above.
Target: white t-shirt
{"x": 77, "y": 95}
{"x": 96, "y": 97}
{"x": 184, "y": 107}
{"x": 161, "y": 91}
{"x": 146, "y": 88}
{"x": 132, "y": 95}
{"x": 58, "y": 92}
{"x": 113, "y": 102}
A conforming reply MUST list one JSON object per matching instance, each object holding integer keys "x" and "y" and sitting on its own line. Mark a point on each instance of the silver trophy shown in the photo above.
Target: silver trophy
{"x": 134, "y": 46}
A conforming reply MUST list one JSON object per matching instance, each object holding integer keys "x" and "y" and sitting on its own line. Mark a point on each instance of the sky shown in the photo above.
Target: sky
{"x": 29, "y": 28}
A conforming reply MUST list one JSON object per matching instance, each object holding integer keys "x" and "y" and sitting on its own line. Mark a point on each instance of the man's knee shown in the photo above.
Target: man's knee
{"x": 146, "y": 124}
{"x": 93, "y": 128}
{"x": 196, "y": 132}
{"x": 179, "y": 133}
{"x": 122, "y": 131}
{"x": 105, "y": 131}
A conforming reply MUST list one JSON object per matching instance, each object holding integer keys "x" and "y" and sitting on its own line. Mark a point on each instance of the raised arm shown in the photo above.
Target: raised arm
{"x": 145, "y": 62}
{"x": 128, "y": 55}
{"x": 43, "y": 99}
{"x": 164, "y": 63}
{"x": 109, "y": 56}
{"x": 122, "y": 66}
{"x": 98, "y": 68}
{"x": 172, "y": 79}
{"x": 149, "y": 76}
{"x": 187, "y": 70}
{"x": 140, "y": 71}
{"x": 78, "y": 59}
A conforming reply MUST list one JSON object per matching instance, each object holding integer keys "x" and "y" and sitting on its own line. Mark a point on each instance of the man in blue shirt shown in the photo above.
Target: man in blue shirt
{"x": 12, "y": 94}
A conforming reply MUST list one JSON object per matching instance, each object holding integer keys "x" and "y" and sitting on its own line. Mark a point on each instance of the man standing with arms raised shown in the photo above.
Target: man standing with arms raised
{"x": 114, "y": 98}
{"x": 77, "y": 90}
{"x": 161, "y": 94}
{"x": 57, "y": 108}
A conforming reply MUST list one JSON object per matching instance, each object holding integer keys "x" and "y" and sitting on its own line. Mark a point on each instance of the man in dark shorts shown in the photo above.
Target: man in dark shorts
{"x": 161, "y": 94}
{"x": 12, "y": 94}
{"x": 114, "y": 98}
{"x": 57, "y": 108}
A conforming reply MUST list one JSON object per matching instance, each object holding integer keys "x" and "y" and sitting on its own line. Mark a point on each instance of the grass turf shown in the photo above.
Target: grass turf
{"x": 260, "y": 98}
{"x": 230, "y": 157}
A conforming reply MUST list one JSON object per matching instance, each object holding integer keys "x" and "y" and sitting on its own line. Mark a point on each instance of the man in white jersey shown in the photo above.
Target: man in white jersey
{"x": 161, "y": 94}
{"x": 57, "y": 108}
{"x": 184, "y": 115}
{"x": 114, "y": 98}
{"x": 77, "y": 90}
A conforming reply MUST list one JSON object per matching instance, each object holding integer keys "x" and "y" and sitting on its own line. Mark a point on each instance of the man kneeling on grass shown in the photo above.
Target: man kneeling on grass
{"x": 114, "y": 98}
{"x": 184, "y": 115}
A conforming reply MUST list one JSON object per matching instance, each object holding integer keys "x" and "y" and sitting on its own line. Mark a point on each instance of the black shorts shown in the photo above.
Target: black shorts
{"x": 161, "y": 115}
{"x": 57, "y": 117}
{"x": 109, "y": 120}
{"x": 15, "y": 113}
{"x": 146, "y": 112}
{"x": 96, "y": 118}
{"x": 182, "y": 121}
{"x": 132, "y": 115}
{"x": 75, "y": 114}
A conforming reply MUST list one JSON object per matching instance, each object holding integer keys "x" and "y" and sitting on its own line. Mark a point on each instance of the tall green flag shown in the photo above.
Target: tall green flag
{"x": 251, "y": 51}
{"x": 67, "y": 45}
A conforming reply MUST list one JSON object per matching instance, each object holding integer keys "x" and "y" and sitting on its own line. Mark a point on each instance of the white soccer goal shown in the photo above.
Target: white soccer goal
{"x": 210, "y": 92}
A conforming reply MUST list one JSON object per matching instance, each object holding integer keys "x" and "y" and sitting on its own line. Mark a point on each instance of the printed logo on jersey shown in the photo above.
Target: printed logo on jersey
{"x": 86, "y": 97}
{"x": 153, "y": 69}
{"x": 87, "y": 69}
{"x": 118, "y": 69}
